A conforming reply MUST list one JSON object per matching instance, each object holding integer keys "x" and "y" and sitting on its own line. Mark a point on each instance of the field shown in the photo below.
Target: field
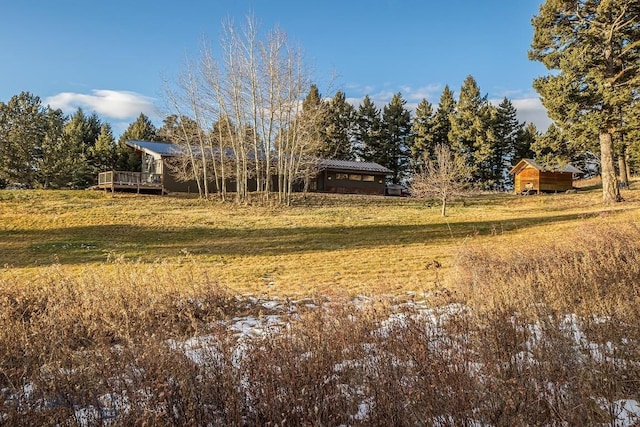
{"x": 345, "y": 245}
{"x": 142, "y": 309}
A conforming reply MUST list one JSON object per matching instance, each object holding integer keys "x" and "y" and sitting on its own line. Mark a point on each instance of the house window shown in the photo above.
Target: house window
{"x": 368, "y": 178}
{"x": 355, "y": 177}
{"x": 342, "y": 176}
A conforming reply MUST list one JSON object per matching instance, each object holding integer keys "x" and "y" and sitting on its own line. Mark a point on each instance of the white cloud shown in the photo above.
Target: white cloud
{"x": 111, "y": 104}
{"x": 531, "y": 110}
{"x": 431, "y": 93}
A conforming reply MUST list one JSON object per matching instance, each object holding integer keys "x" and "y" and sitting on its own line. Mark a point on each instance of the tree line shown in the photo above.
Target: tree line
{"x": 41, "y": 147}
{"x": 489, "y": 137}
{"x": 250, "y": 115}
{"x": 44, "y": 148}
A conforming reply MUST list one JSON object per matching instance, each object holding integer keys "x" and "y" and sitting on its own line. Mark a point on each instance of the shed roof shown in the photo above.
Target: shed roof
{"x": 568, "y": 168}
{"x": 349, "y": 165}
{"x": 165, "y": 149}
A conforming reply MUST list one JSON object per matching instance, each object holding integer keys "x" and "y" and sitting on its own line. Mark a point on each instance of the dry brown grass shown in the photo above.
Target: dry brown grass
{"x": 328, "y": 244}
{"x": 533, "y": 316}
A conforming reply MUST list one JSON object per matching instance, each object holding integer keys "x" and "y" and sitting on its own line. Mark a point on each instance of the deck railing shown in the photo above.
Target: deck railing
{"x": 124, "y": 179}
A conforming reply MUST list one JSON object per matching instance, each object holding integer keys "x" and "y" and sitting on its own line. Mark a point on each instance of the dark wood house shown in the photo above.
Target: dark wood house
{"x": 333, "y": 176}
{"x": 530, "y": 176}
{"x": 350, "y": 177}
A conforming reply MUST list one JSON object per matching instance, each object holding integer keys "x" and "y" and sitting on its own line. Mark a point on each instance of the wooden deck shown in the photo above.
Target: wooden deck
{"x": 130, "y": 181}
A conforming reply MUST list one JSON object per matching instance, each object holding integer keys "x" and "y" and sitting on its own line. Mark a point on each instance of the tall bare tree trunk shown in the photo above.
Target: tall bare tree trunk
{"x": 257, "y": 88}
{"x": 623, "y": 168}
{"x": 610, "y": 190}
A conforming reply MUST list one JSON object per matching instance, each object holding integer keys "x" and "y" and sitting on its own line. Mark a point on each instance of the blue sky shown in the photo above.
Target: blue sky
{"x": 111, "y": 56}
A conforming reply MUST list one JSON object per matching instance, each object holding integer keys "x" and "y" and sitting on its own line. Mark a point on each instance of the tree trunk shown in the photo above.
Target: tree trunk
{"x": 627, "y": 171}
{"x": 444, "y": 207}
{"x": 622, "y": 171}
{"x": 610, "y": 190}
{"x": 623, "y": 167}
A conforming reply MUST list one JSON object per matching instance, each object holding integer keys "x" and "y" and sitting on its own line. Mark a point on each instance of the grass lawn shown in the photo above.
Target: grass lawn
{"x": 327, "y": 244}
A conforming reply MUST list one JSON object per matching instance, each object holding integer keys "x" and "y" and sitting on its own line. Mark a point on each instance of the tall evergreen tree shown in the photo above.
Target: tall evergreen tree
{"x": 313, "y": 119}
{"x": 553, "y": 148}
{"x": 396, "y": 133}
{"x": 525, "y": 139}
{"x": 169, "y": 128}
{"x": 313, "y": 99}
{"x": 442, "y": 118}
{"x": 592, "y": 48}
{"x": 58, "y": 163}
{"x": 422, "y": 138}
{"x": 469, "y": 135}
{"x": 368, "y": 131}
{"x": 338, "y": 133}
{"x": 104, "y": 152}
{"x": 22, "y": 131}
{"x": 506, "y": 129}
{"x": 141, "y": 129}
{"x": 181, "y": 130}
{"x": 81, "y": 132}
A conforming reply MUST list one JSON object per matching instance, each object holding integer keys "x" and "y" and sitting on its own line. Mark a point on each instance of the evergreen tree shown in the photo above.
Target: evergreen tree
{"x": 340, "y": 122}
{"x": 179, "y": 130}
{"x": 57, "y": 163}
{"x": 442, "y": 118}
{"x": 104, "y": 152}
{"x": 633, "y": 139}
{"x": 368, "y": 131}
{"x": 506, "y": 129}
{"x": 591, "y": 47}
{"x": 422, "y": 138}
{"x": 553, "y": 148}
{"x": 142, "y": 130}
{"x": 81, "y": 133}
{"x": 470, "y": 134}
{"x": 313, "y": 119}
{"x": 168, "y": 131}
{"x": 313, "y": 100}
{"x": 396, "y": 133}
{"x": 22, "y": 131}
{"x": 526, "y": 138}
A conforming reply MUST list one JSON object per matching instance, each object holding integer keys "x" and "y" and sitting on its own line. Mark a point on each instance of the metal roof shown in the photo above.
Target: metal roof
{"x": 568, "y": 168}
{"x": 165, "y": 149}
{"x": 348, "y": 165}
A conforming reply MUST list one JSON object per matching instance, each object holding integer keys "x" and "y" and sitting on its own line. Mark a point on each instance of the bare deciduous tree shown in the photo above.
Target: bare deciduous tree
{"x": 443, "y": 178}
{"x": 249, "y": 97}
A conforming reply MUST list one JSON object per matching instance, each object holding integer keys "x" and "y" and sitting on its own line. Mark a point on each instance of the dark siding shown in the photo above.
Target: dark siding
{"x": 174, "y": 186}
{"x": 331, "y": 183}
{"x": 327, "y": 181}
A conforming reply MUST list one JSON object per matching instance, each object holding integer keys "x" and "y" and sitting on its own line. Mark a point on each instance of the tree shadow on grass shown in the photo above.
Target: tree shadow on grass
{"x": 90, "y": 244}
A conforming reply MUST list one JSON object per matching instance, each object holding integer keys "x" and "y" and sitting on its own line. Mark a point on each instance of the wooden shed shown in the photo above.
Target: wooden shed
{"x": 530, "y": 176}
